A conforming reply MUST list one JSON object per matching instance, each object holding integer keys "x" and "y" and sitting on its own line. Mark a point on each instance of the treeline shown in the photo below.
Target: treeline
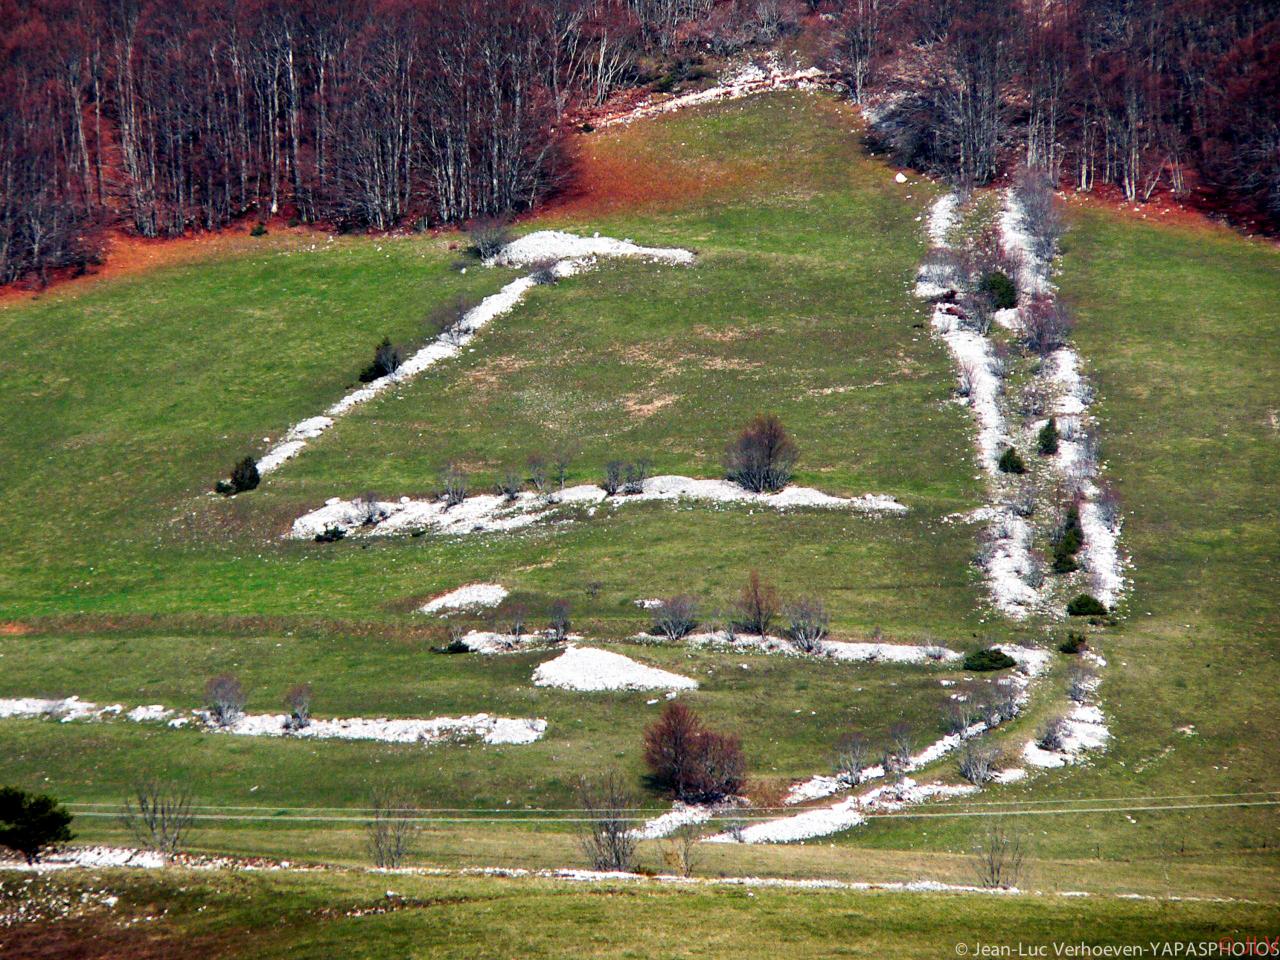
{"x": 1140, "y": 94}
{"x": 174, "y": 116}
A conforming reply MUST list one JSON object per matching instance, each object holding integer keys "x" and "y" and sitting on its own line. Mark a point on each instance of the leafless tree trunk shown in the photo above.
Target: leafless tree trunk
{"x": 391, "y": 830}
{"x": 606, "y": 837}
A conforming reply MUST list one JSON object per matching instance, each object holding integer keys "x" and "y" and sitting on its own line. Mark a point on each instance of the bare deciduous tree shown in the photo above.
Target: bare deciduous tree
{"x": 999, "y": 853}
{"x": 392, "y": 826}
{"x": 558, "y": 622}
{"x": 1046, "y": 324}
{"x": 977, "y": 761}
{"x": 762, "y": 457}
{"x": 1052, "y": 734}
{"x": 675, "y": 617}
{"x": 612, "y": 482}
{"x": 852, "y": 753}
{"x": 901, "y": 742}
{"x": 488, "y": 236}
{"x": 517, "y": 616}
{"x": 681, "y": 852}
{"x": 158, "y": 815}
{"x": 1081, "y": 681}
{"x": 453, "y": 485}
{"x": 224, "y": 698}
{"x": 537, "y": 468}
{"x": 509, "y": 484}
{"x": 635, "y": 476}
{"x": 757, "y": 606}
{"x": 297, "y": 701}
{"x": 606, "y": 838}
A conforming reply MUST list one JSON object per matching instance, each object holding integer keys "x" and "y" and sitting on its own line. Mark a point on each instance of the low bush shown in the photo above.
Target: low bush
{"x": 259, "y": 230}
{"x": 1011, "y": 462}
{"x": 244, "y": 476}
{"x": 488, "y": 236}
{"x": 675, "y": 617}
{"x": 509, "y": 484}
{"x": 1075, "y": 643}
{"x": 757, "y": 606}
{"x": 1000, "y": 288}
{"x": 1068, "y": 541}
{"x": 453, "y": 485}
{"x": 1086, "y": 605}
{"x": 224, "y": 698}
{"x": 807, "y": 624}
{"x": 1047, "y": 438}
{"x": 330, "y": 534}
{"x": 1052, "y": 734}
{"x": 612, "y": 481}
{"x": 977, "y": 762}
{"x": 988, "y": 659}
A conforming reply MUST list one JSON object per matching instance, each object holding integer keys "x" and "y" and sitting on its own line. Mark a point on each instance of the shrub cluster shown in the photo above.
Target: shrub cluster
{"x": 988, "y": 659}
{"x": 1000, "y": 288}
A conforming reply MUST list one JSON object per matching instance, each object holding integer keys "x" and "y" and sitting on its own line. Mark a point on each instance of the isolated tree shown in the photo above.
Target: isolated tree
{"x": 386, "y": 360}
{"x": 605, "y": 835}
{"x": 558, "y": 621}
{"x": 488, "y": 236}
{"x": 1047, "y": 438}
{"x": 999, "y": 852}
{"x": 694, "y": 763}
{"x": 517, "y": 617}
{"x": 244, "y": 476}
{"x": 392, "y": 827}
{"x": 612, "y": 480}
{"x": 675, "y": 617}
{"x": 681, "y": 852}
{"x": 158, "y": 815}
{"x": 757, "y": 606}
{"x": 536, "y": 465}
{"x": 762, "y": 457}
{"x": 224, "y": 698}
{"x": 509, "y": 484}
{"x": 30, "y": 823}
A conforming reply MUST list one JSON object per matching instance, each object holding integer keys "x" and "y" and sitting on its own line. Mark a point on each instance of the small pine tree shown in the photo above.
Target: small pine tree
{"x": 1047, "y": 440}
{"x": 1011, "y": 462}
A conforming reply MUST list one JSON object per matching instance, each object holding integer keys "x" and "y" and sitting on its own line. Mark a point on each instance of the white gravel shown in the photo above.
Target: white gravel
{"x": 470, "y": 597}
{"x": 481, "y": 725}
{"x": 489, "y": 513}
{"x": 591, "y": 669}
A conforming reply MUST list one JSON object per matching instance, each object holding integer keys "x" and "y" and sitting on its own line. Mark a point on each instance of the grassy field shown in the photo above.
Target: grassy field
{"x": 348, "y": 915}
{"x": 124, "y": 580}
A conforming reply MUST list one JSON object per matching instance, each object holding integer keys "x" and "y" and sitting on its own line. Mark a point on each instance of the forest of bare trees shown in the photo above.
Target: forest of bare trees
{"x": 171, "y": 117}
{"x": 1142, "y": 95}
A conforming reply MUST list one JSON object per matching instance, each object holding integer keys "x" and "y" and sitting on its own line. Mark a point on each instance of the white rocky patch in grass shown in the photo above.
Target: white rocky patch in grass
{"x": 482, "y": 726}
{"x": 544, "y": 245}
{"x": 745, "y": 80}
{"x": 491, "y": 644}
{"x": 829, "y": 649}
{"x": 489, "y": 513}
{"x": 1085, "y": 730}
{"x": 589, "y": 669}
{"x": 470, "y": 597}
{"x": 844, "y": 815}
{"x": 438, "y": 729}
{"x": 571, "y": 255}
{"x": 681, "y": 815}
